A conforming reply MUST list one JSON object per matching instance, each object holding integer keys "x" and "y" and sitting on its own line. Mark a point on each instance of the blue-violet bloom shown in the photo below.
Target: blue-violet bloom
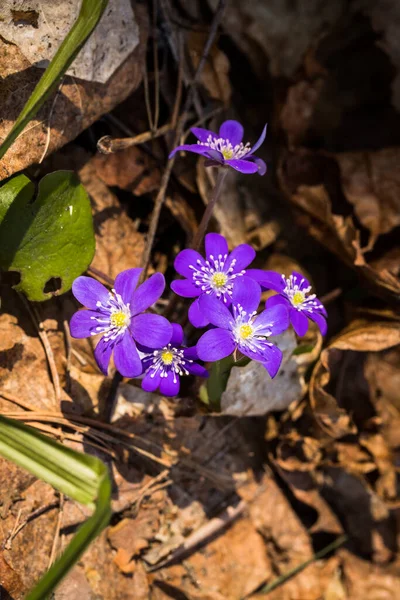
{"x": 117, "y": 315}
{"x": 293, "y": 292}
{"x": 240, "y": 328}
{"x": 226, "y": 148}
{"x": 216, "y": 275}
{"x": 165, "y": 366}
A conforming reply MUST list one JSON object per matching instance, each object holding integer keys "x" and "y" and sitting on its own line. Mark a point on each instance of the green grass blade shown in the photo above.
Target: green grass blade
{"x": 89, "y": 16}
{"x": 82, "y": 477}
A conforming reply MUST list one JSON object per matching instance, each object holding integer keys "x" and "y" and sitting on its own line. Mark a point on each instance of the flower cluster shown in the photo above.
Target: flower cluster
{"x": 227, "y": 300}
{"x": 226, "y": 295}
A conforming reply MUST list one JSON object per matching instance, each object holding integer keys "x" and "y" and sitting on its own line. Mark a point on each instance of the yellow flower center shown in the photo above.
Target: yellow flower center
{"x": 219, "y": 279}
{"x": 245, "y": 331}
{"x": 298, "y": 298}
{"x": 167, "y": 357}
{"x": 227, "y": 153}
{"x": 119, "y": 319}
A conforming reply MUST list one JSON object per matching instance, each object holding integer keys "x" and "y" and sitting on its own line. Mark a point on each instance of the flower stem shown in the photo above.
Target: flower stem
{"x": 198, "y": 238}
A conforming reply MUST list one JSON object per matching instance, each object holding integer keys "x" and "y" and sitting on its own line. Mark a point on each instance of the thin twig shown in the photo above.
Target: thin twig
{"x": 53, "y": 553}
{"x": 156, "y": 69}
{"x": 68, "y": 352}
{"x": 33, "y": 313}
{"x": 179, "y": 130}
{"x": 198, "y": 238}
{"x": 36, "y": 513}
{"x": 109, "y": 145}
{"x": 99, "y": 274}
{"x": 147, "y": 96}
{"x": 203, "y": 534}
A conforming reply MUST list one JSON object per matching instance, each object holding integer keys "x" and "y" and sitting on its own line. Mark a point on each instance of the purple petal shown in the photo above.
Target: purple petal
{"x": 216, "y": 312}
{"x": 299, "y": 322}
{"x": 300, "y": 280}
{"x": 177, "y": 335}
{"x": 191, "y": 353}
{"x": 185, "y": 288}
{"x": 147, "y": 293}
{"x": 149, "y": 383}
{"x": 169, "y": 386}
{"x": 215, "y": 245}
{"x": 82, "y": 325}
{"x": 319, "y": 320}
{"x": 273, "y": 360}
{"x": 196, "y": 369}
{"x": 261, "y": 165}
{"x": 195, "y": 148}
{"x": 247, "y": 293}
{"x": 215, "y": 344}
{"x": 196, "y": 316}
{"x": 153, "y": 331}
{"x": 202, "y": 134}
{"x": 126, "y": 357}
{"x": 273, "y": 320}
{"x": 260, "y": 140}
{"x": 187, "y": 259}
{"x": 243, "y": 255}
{"x": 267, "y": 279}
{"x": 126, "y": 282}
{"x": 275, "y": 300}
{"x": 242, "y": 165}
{"x": 102, "y": 355}
{"x": 232, "y": 131}
{"x": 89, "y": 291}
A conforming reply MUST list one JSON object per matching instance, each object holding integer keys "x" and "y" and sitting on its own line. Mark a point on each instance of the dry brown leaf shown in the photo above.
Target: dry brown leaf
{"x": 360, "y": 336}
{"x": 229, "y": 567}
{"x": 292, "y": 30}
{"x": 22, "y": 353}
{"x": 215, "y": 75}
{"x": 119, "y": 245}
{"x": 312, "y": 182}
{"x": 371, "y": 184}
{"x": 298, "y": 111}
{"x": 77, "y": 104}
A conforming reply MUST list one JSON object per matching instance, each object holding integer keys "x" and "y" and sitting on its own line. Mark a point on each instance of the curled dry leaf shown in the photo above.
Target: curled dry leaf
{"x": 313, "y": 183}
{"x": 371, "y": 183}
{"x": 360, "y": 337}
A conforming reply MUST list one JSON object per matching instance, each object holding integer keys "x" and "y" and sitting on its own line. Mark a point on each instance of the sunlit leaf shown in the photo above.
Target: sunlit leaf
{"x": 50, "y": 236}
{"x": 89, "y": 16}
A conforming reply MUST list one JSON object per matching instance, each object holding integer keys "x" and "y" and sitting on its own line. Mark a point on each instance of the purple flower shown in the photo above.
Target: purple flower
{"x": 293, "y": 292}
{"x": 240, "y": 328}
{"x": 164, "y": 367}
{"x": 117, "y": 315}
{"x": 226, "y": 148}
{"x": 216, "y": 275}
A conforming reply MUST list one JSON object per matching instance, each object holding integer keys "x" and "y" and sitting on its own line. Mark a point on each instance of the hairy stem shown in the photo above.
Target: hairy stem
{"x": 198, "y": 238}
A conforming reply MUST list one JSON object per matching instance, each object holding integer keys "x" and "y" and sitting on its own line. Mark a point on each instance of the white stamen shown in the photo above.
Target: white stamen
{"x": 225, "y": 147}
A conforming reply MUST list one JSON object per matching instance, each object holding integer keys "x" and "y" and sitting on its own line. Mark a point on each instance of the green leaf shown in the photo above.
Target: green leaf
{"x": 51, "y": 236}
{"x": 89, "y": 16}
{"x": 83, "y": 478}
